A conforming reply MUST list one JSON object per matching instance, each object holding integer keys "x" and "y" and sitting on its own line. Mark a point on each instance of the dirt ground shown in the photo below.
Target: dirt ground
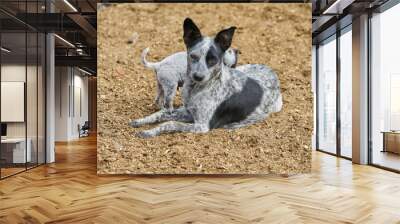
{"x": 277, "y": 35}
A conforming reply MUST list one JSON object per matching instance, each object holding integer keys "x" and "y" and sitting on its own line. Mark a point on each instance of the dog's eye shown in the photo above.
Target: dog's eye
{"x": 211, "y": 61}
{"x": 194, "y": 57}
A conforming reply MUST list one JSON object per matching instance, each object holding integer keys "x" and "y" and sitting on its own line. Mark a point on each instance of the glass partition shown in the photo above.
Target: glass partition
{"x": 32, "y": 95}
{"x": 13, "y": 94}
{"x": 22, "y": 77}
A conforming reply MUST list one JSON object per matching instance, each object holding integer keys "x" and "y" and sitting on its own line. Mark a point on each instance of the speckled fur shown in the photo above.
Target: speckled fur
{"x": 202, "y": 98}
{"x": 171, "y": 72}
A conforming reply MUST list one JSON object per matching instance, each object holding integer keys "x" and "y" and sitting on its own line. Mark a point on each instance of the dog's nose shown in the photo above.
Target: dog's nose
{"x": 197, "y": 77}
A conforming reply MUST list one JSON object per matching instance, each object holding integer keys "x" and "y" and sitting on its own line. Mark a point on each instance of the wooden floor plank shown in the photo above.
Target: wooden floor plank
{"x": 69, "y": 191}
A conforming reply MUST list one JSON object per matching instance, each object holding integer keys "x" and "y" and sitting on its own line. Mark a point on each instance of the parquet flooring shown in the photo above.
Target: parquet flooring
{"x": 69, "y": 191}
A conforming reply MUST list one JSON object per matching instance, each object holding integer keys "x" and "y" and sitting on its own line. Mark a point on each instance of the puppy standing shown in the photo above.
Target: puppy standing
{"x": 171, "y": 73}
{"x": 215, "y": 95}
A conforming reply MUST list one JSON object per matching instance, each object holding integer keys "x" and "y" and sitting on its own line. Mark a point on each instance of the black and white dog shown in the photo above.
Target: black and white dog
{"x": 171, "y": 74}
{"x": 214, "y": 95}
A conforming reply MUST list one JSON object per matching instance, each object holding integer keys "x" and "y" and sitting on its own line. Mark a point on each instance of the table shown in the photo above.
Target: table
{"x": 17, "y": 151}
{"x": 391, "y": 141}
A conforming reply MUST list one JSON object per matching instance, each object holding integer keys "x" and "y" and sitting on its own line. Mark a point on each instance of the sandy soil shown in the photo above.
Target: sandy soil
{"x": 278, "y": 35}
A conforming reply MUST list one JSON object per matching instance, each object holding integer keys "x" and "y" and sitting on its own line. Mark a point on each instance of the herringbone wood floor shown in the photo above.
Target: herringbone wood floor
{"x": 70, "y": 192}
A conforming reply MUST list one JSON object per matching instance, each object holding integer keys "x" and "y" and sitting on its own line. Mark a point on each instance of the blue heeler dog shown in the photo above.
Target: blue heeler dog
{"x": 171, "y": 74}
{"x": 214, "y": 95}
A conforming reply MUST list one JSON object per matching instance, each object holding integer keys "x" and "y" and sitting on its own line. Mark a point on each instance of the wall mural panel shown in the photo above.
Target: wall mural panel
{"x": 235, "y": 99}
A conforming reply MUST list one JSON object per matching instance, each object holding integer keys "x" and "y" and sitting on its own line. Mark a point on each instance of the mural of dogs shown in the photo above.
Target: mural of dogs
{"x": 214, "y": 95}
{"x": 171, "y": 72}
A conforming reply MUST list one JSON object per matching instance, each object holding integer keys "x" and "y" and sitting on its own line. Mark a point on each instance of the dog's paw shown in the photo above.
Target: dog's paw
{"x": 144, "y": 134}
{"x": 134, "y": 124}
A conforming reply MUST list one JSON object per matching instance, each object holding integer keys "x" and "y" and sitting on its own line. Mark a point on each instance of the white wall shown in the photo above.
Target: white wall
{"x": 70, "y": 83}
{"x": 33, "y": 126}
{"x": 16, "y": 73}
{"x": 62, "y": 81}
{"x": 13, "y": 72}
{"x": 79, "y": 117}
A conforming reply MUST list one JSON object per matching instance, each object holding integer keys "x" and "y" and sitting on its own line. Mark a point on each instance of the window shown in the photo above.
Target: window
{"x": 385, "y": 89}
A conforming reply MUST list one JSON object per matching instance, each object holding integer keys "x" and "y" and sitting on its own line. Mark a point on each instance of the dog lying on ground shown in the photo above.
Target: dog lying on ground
{"x": 214, "y": 95}
{"x": 171, "y": 73}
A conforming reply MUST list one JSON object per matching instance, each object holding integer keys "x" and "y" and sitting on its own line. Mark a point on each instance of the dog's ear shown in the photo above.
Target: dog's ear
{"x": 191, "y": 33}
{"x": 224, "y": 38}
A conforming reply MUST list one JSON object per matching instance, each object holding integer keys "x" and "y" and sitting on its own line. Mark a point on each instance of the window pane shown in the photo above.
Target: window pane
{"x": 41, "y": 98}
{"x": 346, "y": 93}
{"x": 31, "y": 97}
{"x": 31, "y": 88}
{"x": 327, "y": 96}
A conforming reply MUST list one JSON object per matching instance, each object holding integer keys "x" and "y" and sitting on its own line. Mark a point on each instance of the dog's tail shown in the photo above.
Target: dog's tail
{"x": 151, "y": 65}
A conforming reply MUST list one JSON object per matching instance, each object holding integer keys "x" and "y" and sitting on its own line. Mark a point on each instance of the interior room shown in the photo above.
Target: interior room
{"x": 334, "y": 77}
{"x": 48, "y": 104}
{"x": 71, "y": 100}
{"x": 22, "y": 99}
{"x": 385, "y": 89}
{"x": 48, "y": 82}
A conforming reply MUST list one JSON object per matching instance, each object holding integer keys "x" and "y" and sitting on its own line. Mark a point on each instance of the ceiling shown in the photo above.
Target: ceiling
{"x": 332, "y": 15}
{"x": 74, "y": 22}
